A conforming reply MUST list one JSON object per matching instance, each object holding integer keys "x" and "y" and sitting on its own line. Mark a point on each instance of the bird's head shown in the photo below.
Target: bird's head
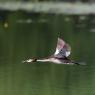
{"x": 30, "y": 60}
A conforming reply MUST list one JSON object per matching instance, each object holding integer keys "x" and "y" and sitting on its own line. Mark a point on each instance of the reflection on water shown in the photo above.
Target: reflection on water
{"x": 22, "y": 40}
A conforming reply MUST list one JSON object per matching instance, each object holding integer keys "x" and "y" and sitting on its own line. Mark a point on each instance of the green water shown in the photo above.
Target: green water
{"x": 20, "y": 41}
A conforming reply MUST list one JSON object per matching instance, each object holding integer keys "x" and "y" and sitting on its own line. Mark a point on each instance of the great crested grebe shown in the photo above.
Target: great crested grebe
{"x": 60, "y": 56}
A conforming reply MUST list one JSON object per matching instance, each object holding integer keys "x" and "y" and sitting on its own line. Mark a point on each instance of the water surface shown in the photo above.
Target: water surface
{"x": 25, "y": 35}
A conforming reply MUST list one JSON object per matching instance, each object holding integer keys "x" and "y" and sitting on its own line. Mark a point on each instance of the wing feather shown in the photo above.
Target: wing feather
{"x": 63, "y": 49}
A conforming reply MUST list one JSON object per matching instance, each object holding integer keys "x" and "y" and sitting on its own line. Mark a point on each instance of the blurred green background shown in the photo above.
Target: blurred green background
{"x": 26, "y": 35}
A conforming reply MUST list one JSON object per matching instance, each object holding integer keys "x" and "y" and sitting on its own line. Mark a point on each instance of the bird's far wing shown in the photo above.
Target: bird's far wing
{"x": 63, "y": 49}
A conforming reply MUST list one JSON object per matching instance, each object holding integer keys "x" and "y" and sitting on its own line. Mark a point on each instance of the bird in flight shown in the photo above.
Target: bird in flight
{"x": 63, "y": 50}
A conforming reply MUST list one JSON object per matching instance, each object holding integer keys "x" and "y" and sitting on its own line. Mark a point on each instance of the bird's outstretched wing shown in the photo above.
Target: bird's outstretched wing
{"x": 63, "y": 49}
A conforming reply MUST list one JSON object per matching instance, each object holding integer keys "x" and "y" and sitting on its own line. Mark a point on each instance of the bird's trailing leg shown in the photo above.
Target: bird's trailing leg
{"x": 80, "y": 63}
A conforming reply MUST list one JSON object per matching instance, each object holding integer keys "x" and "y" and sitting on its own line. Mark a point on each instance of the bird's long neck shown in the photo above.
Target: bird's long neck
{"x": 42, "y": 60}
{"x": 37, "y": 60}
